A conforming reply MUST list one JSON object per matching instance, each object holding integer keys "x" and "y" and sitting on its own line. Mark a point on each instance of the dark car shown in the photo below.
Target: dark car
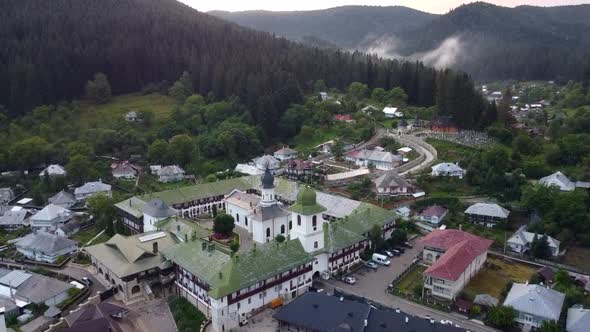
{"x": 400, "y": 249}
{"x": 395, "y": 252}
{"x": 408, "y": 245}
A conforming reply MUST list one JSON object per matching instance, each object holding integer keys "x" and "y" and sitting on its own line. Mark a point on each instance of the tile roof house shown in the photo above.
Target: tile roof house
{"x": 100, "y": 317}
{"x": 12, "y": 220}
{"x": 50, "y": 217}
{"x": 53, "y": 170}
{"x": 122, "y": 259}
{"x": 487, "y": 214}
{"x": 390, "y": 184}
{"x": 521, "y": 240}
{"x": 433, "y": 214}
{"x": 578, "y": 319}
{"x": 124, "y": 170}
{"x": 92, "y": 188}
{"x": 448, "y": 169}
{"x": 534, "y": 304}
{"x": 299, "y": 168}
{"x": 285, "y": 154}
{"x": 63, "y": 199}
{"x": 343, "y": 118}
{"x": 45, "y": 247}
{"x": 132, "y": 116}
{"x": 382, "y": 160}
{"x": 171, "y": 173}
{"x": 454, "y": 257}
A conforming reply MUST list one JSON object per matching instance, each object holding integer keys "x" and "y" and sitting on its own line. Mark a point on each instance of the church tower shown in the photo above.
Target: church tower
{"x": 268, "y": 188}
{"x": 307, "y": 220}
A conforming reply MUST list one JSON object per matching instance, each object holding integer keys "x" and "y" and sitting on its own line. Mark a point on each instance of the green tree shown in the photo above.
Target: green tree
{"x": 102, "y": 207}
{"x": 338, "y": 149}
{"x": 320, "y": 86}
{"x": 158, "y": 152}
{"x": 378, "y": 95}
{"x": 280, "y": 238}
{"x": 551, "y": 326}
{"x": 396, "y": 96}
{"x": 182, "y": 88}
{"x": 501, "y": 317}
{"x": 99, "y": 90}
{"x": 80, "y": 169}
{"x": 80, "y": 148}
{"x": 182, "y": 148}
{"x": 358, "y": 90}
{"x": 234, "y": 246}
{"x": 223, "y": 224}
{"x": 376, "y": 237}
{"x": 540, "y": 247}
{"x": 30, "y": 152}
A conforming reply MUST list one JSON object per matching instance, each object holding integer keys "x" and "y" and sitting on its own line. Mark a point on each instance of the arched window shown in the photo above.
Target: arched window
{"x": 135, "y": 289}
{"x": 429, "y": 257}
{"x": 237, "y": 217}
{"x": 99, "y": 270}
{"x": 298, "y": 220}
{"x": 315, "y": 245}
{"x": 290, "y": 224}
{"x": 314, "y": 221}
{"x": 268, "y": 232}
{"x": 282, "y": 229}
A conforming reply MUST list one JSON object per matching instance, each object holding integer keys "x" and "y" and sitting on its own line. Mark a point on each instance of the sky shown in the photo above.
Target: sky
{"x": 432, "y": 6}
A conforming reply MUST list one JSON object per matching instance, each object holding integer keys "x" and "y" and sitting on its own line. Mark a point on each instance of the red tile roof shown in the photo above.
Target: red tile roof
{"x": 342, "y": 117}
{"x": 434, "y": 210}
{"x": 460, "y": 249}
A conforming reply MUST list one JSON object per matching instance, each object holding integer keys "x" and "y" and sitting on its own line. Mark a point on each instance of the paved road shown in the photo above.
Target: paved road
{"x": 373, "y": 284}
{"x": 422, "y": 150}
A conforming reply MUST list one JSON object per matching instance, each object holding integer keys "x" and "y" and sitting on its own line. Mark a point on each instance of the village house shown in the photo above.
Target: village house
{"x": 578, "y": 319}
{"x": 562, "y": 182}
{"x": 45, "y": 247}
{"x": 392, "y": 112}
{"x": 404, "y": 212}
{"x": 154, "y": 169}
{"x": 520, "y": 241}
{"x": 132, "y": 116}
{"x": 323, "y": 96}
{"x": 92, "y": 188}
{"x": 134, "y": 264}
{"x": 124, "y": 170}
{"x": 448, "y": 169}
{"x": 454, "y": 257}
{"x": 381, "y": 160}
{"x": 486, "y": 214}
{"x": 71, "y": 228}
{"x": 433, "y": 214}
{"x": 267, "y": 161}
{"x": 171, "y": 173}
{"x": 285, "y": 154}
{"x": 26, "y": 288}
{"x": 50, "y": 217}
{"x": 343, "y": 118}
{"x": 102, "y": 316}
{"x": 534, "y": 304}
{"x": 14, "y": 219}
{"x": 63, "y": 199}
{"x": 247, "y": 169}
{"x": 6, "y": 195}
{"x": 299, "y": 169}
{"x": 369, "y": 109}
{"x": 390, "y": 184}
{"x": 443, "y": 124}
{"x": 53, "y": 171}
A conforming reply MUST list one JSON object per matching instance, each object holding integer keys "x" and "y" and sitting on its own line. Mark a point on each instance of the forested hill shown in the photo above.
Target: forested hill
{"x": 50, "y": 49}
{"x": 346, "y": 26}
{"x": 487, "y": 41}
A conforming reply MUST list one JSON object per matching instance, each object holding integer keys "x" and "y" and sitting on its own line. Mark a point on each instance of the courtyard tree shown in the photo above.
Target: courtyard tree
{"x": 540, "y": 247}
{"x": 501, "y": 317}
{"x": 223, "y": 224}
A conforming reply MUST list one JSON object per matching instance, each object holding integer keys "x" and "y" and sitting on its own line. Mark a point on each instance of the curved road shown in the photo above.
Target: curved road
{"x": 420, "y": 146}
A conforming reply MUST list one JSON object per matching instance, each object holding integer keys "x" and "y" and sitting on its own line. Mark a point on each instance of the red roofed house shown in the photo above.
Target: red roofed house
{"x": 343, "y": 117}
{"x": 454, "y": 257}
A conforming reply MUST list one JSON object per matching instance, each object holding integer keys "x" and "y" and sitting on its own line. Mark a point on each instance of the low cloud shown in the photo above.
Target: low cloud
{"x": 444, "y": 56}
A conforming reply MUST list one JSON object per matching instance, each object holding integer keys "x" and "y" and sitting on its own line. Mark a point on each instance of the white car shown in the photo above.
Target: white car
{"x": 349, "y": 280}
{"x": 372, "y": 265}
{"x": 446, "y": 322}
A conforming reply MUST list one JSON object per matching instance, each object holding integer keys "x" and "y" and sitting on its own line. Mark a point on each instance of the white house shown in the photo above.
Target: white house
{"x": 448, "y": 169}
{"x": 63, "y": 199}
{"x": 92, "y": 188}
{"x": 404, "y": 212}
{"x": 534, "y": 304}
{"x": 171, "y": 173}
{"x": 132, "y": 117}
{"x": 433, "y": 214}
{"x": 45, "y": 247}
{"x": 390, "y": 184}
{"x": 124, "y": 170}
{"x": 392, "y": 112}
{"x": 578, "y": 319}
{"x": 285, "y": 154}
{"x": 486, "y": 214}
{"x": 53, "y": 170}
{"x": 25, "y": 288}
{"x": 558, "y": 180}
{"x": 50, "y": 217}
{"x": 454, "y": 257}
{"x": 382, "y": 160}
{"x": 14, "y": 219}
{"x": 6, "y": 195}
{"x": 154, "y": 169}
{"x": 153, "y": 211}
{"x": 521, "y": 240}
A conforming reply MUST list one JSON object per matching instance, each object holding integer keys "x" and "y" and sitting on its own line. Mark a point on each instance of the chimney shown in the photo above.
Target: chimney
{"x": 155, "y": 247}
{"x": 178, "y": 228}
{"x": 460, "y": 227}
{"x": 204, "y": 246}
{"x": 407, "y": 319}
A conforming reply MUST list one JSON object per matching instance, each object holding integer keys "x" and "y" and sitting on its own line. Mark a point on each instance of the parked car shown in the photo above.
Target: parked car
{"x": 446, "y": 322}
{"x": 408, "y": 245}
{"x": 400, "y": 249}
{"x": 372, "y": 265}
{"x": 87, "y": 281}
{"x": 387, "y": 253}
{"x": 395, "y": 252}
{"x": 349, "y": 280}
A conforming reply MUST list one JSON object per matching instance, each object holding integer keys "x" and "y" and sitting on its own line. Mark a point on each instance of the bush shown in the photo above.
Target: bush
{"x": 475, "y": 310}
{"x": 186, "y": 316}
{"x": 223, "y": 224}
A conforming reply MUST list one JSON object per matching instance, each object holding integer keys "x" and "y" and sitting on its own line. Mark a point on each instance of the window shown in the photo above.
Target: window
{"x": 290, "y": 224}
{"x": 238, "y": 305}
{"x": 268, "y": 232}
{"x": 249, "y": 300}
{"x": 246, "y": 221}
{"x": 135, "y": 289}
{"x": 315, "y": 245}
{"x": 237, "y": 217}
{"x": 282, "y": 229}
{"x": 298, "y": 220}
{"x": 314, "y": 221}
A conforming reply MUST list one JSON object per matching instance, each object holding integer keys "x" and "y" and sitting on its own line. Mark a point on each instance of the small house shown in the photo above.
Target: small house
{"x": 404, "y": 212}
{"x": 433, "y": 214}
{"x": 92, "y": 188}
{"x": 448, "y": 169}
{"x": 171, "y": 173}
{"x": 50, "y": 217}
{"x": 63, "y": 199}
{"x": 578, "y": 319}
{"x": 486, "y": 214}
{"x": 299, "y": 169}
{"x": 267, "y": 161}
{"x": 285, "y": 154}
{"x": 154, "y": 169}
{"x": 6, "y": 195}
{"x": 558, "y": 180}
{"x": 343, "y": 118}
{"x": 323, "y": 96}
{"x": 45, "y": 247}
{"x": 392, "y": 112}
{"x": 534, "y": 304}
{"x": 381, "y": 160}
{"x": 132, "y": 117}
{"x": 390, "y": 184}
{"x": 53, "y": 171}
{"x": 520, "y": 242}
{"x": 14, "y": 219}
{"x": 124, "y": 170}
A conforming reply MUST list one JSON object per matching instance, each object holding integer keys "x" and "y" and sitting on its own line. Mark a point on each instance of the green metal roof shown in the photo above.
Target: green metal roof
{"x": 306, "y": 203}
{"x": 365, "y": 217}
{"x": 337, "y": 236}
{"x": 227, "y": 275}
{"x": 182, "y": 228}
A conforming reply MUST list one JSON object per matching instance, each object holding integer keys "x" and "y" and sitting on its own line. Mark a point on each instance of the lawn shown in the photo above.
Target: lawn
{"x": 497, "y": 273}
{"x": 444, "y": 186}
{"x": 308, "y": 143}
{"x": 186, "y": 316}
{"x": 449, "y": 152}
{"x": 149, "y": 183}
{"x": 7, "y": 236}
{"x": 87, "y": 234}
{"x": 95, "y": 115}
{"x": 578, "y": 257}
{"x": 412, "y": 279}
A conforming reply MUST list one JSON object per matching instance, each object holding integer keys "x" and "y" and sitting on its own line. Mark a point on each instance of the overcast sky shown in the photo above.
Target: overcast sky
{"x": 433, "y": 6}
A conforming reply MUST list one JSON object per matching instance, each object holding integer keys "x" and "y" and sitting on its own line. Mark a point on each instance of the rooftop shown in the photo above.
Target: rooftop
{"x": 488, "y": 209}
{"x": 535, "y": 300}
{"x": 433, "y": 211}
{"x": 390, "y": 179}
{"x": 460, "y": 249}
{"x": 62, "y": 197}
{"x": 51, "y": 212}
{"x": 92, "y": 187}
{"x": 578, "y": 319}
{"x": 45, "y": 242}
{"x": 559, "y": 180}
